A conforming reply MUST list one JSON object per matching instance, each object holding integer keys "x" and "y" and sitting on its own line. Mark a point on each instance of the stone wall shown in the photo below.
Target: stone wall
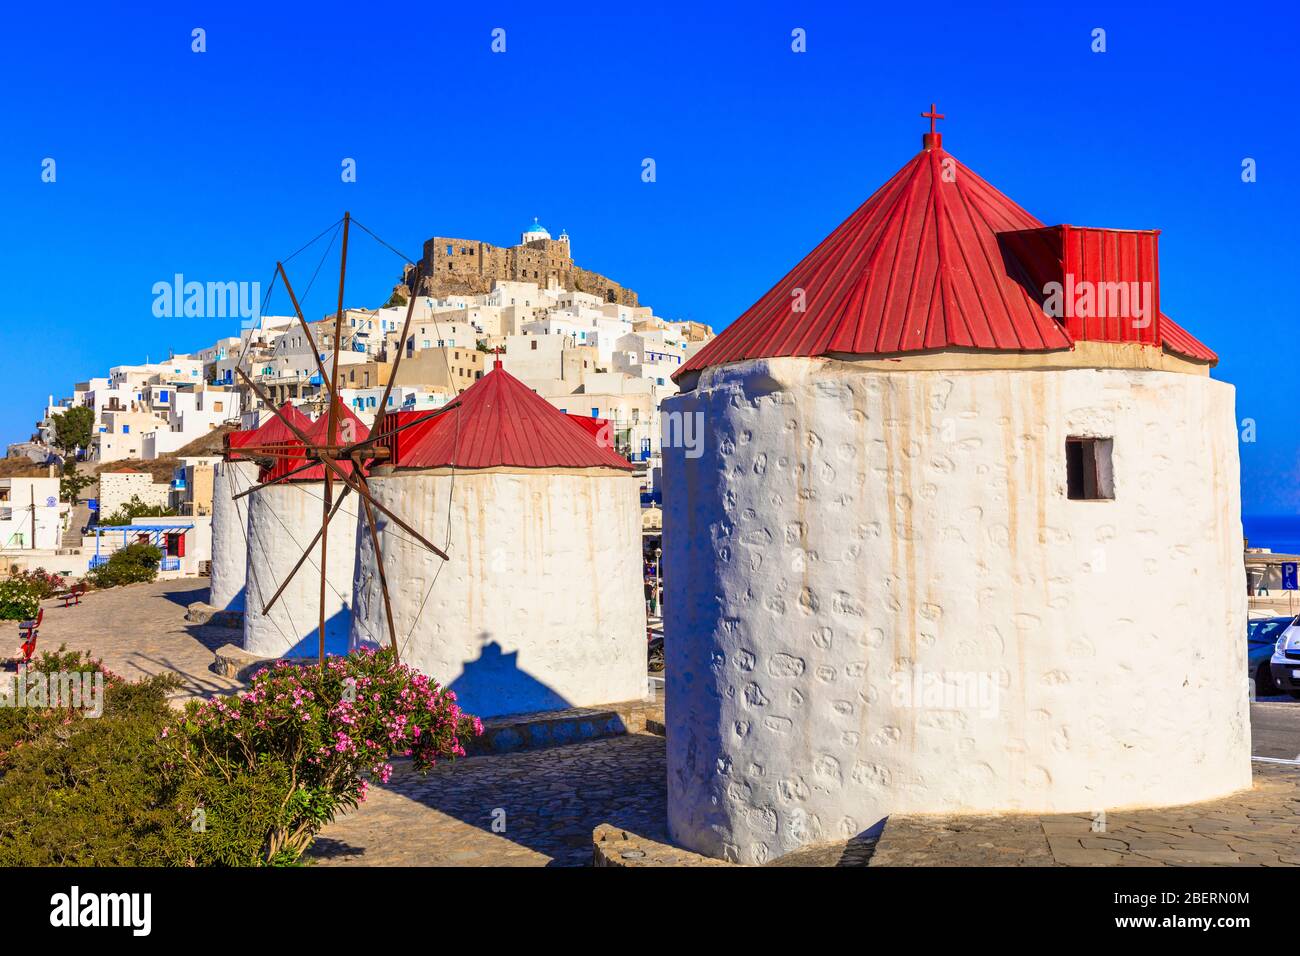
{"x": 282, "y": 520}
{"x": 116, "y": 488}
{"x": 230, "y": 533}
{"x": 469, "y": 267}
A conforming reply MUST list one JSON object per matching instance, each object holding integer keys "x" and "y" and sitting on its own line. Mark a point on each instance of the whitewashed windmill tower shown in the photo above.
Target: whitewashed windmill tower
{"x": 965, "y": 535}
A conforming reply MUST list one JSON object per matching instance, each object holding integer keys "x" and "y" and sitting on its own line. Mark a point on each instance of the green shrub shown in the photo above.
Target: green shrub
{"x": 130, "y": 565}
{"x": 20, "y": 726}
{"x": 20, "y": 599}
{"x": 135, "y": 508}
{"x": 323, "y": 727}
{"x": 92, "y": 792}
{"x": 241, "y": 781}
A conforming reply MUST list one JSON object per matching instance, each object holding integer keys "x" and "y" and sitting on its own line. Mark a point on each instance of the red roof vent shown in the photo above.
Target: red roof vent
{"x": 1103, "y": 284}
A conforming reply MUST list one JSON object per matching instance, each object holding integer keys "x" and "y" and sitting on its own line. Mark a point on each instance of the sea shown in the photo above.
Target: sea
{"x": 1278, "y": 533}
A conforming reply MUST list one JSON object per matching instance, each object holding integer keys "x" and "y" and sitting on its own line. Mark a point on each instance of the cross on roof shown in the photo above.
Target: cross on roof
{"x": 932, "y": 116}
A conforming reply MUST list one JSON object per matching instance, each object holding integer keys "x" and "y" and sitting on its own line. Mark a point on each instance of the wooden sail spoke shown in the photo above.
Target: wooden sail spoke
{"x": 379, "y": 566}
{"x": 401, "y": 343}
{"x": 338, "y": 452}
{"x": 326, "y": 382}
{"x": 306, "y": 552}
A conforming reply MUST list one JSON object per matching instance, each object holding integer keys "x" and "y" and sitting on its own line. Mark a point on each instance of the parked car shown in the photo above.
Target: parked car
{"x": 1261, "y": 636}
{"x": 1285, "y": 662}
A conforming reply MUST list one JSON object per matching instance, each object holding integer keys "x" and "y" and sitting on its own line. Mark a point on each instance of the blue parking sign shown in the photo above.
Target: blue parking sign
{"x": 1289, "y": 576}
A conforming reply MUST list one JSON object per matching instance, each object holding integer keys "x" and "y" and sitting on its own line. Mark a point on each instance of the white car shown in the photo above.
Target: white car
{"x": 1285, "y": 662}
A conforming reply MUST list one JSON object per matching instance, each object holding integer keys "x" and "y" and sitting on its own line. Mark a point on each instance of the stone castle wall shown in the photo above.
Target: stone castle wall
{"x": 469, "y": 267}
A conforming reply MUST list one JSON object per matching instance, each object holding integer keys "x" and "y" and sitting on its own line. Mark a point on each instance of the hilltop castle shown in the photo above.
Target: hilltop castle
{"x": 469, "y": 267}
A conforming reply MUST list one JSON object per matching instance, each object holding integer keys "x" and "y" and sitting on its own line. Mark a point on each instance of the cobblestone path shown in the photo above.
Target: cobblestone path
{"x": 548, "y": 800}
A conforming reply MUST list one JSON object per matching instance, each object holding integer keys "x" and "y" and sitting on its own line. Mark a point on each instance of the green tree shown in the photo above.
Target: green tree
{"x": 72, "y": 429}
{"x": 135, "y": 508}
{"x": 72, "y": 482}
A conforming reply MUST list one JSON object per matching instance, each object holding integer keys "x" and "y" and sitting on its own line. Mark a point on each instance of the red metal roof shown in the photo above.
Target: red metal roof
{"x": 921, "y": 265}
{"x": 272, "y": 430}
{"x": 502, "y": 422}
{"x": 1177, "y": 339}
{"x": 594, "y": 427}
{"x": 349, "y": 429}
{"x": 399, "y": 442}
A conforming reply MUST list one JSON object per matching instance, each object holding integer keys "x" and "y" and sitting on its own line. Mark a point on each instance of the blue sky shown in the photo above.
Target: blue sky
{"x": 216, "y": 164}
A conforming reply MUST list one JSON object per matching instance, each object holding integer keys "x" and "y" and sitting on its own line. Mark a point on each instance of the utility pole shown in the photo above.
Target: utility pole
{"x": 31, "y": 491}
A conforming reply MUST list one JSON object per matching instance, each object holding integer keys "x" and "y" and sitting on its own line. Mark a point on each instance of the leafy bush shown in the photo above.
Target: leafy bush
{"x": 322, "y": 727}
{"x": 20, "y": 726}
{"x": 135, "y": 508}
{"x": 130, "y": 565}
{"x": 43, "y": 582}
{"x": 241, "y": 781}
{"x": 73, "y": 428}
{"x": 19, "y": 599}
{"x": 89, "y": 792}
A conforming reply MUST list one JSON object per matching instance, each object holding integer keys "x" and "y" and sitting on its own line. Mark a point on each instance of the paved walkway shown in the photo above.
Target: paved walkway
{"x": 141, "y": 629}
{"x": 548, "y": 802}
{"x": 1260, "y": 827}
{"x": 553, "y": 799}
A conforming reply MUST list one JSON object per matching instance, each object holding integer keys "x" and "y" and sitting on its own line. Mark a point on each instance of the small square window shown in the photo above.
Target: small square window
{"x": 1088, "y": 472}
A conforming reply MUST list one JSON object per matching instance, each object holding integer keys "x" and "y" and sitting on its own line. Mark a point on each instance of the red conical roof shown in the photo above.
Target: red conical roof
{"x": 348, "y": 429}
{"x": 502, "y": 422}
{"x": 917, "y": 267}
{"x": 272, "y": 430}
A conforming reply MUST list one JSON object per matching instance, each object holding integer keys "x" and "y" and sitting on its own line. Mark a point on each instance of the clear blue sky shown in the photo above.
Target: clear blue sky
{"x": 214, "y": 165}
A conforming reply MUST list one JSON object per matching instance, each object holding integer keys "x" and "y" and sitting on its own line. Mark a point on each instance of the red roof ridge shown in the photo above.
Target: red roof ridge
{"x": 501, "y": 422}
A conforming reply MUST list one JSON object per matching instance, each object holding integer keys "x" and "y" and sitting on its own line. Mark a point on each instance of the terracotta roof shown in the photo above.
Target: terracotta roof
{"x": 502, "y": 422}
{"x": 918, "y": 266}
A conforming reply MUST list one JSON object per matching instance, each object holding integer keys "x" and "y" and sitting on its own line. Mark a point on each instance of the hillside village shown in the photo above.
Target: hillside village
{"x": 576, "y": 338}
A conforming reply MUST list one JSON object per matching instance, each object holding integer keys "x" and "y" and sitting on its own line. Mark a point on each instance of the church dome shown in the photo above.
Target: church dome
{"x": 536, "y": 231}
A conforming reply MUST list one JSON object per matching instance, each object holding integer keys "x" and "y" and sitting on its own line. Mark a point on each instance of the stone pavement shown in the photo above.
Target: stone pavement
{"x": 549, "y": 801}
{"x": 139, "y": 630}
{"x": 1259, "y": 827}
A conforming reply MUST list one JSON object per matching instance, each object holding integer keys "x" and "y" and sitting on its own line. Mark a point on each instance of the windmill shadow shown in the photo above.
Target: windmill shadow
{"x": 337, "y": 631}
{"x": 494, "y": 685}
{"x": 546, "y": 800}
